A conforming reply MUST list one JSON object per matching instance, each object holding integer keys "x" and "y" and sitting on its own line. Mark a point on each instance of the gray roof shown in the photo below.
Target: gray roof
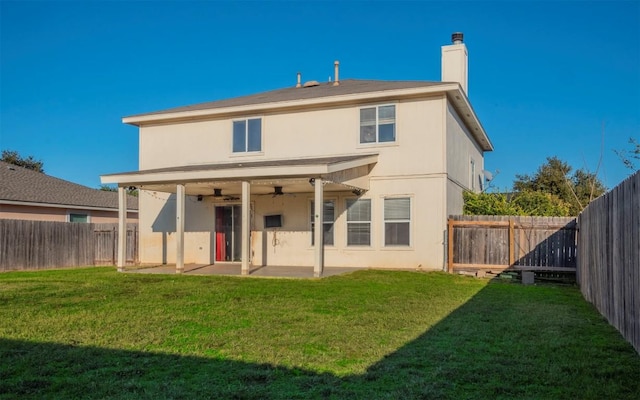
{"x": 24, "y": 185}
{"x": 326, "y": 89}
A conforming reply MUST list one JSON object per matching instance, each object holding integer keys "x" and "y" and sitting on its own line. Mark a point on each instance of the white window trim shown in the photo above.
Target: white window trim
{"x": 346, "y": 232}
{"x": 411, "y": 224}
{"x": 246, "y": 136}
{"x": 78, "y": 213}
{"x": 472, "y": 174}
{"x": 377, "y": 142}
{"x": 336, "y": 213}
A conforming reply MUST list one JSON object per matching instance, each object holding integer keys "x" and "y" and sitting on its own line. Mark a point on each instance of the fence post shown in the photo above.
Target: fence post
{"x": 450, "y": 246}
{"x": 114, "y": 243}
{"x": 512, "y": 247}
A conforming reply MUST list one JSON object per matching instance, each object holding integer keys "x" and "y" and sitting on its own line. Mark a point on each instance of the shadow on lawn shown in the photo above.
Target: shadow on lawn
{"x": 481, "y": 350}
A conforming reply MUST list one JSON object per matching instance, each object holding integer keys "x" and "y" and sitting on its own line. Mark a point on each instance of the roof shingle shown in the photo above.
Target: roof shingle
{"x": 327, "y": 89}
{"x": 25, "y": 185}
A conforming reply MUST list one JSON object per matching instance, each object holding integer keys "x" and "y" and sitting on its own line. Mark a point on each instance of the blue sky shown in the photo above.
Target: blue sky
{"x": 543, "y": 76}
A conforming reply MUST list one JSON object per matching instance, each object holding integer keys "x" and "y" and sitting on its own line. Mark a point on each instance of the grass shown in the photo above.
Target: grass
{"x": 95, "y": 333}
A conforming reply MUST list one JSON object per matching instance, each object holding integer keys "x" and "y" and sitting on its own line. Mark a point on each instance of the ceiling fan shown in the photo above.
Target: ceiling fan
{"x": 277, "y": 191}
{"x": 217, "y": 194}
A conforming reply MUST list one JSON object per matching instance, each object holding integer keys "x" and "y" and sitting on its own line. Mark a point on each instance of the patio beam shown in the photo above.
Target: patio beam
{"x": 180, "y": 197}
{"x": 318, "y": 230}
{"x": 246, "y": 225}
{"x": 122, "y": 228}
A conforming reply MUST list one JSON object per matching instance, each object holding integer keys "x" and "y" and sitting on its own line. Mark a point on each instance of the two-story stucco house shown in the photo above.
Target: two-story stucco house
{"x": 351, "y": 172}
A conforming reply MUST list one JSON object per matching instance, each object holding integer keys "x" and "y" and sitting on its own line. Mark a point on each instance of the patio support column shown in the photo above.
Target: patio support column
{"x": 180, "y": 197}
{"x": 122, "y": 228}
{"x": 318, "y": 231}
{"x": 246, "y": 225}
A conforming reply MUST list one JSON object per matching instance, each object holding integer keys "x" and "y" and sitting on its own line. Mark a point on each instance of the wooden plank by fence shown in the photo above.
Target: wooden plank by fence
{"x": 608, "y": 269}
{"x": 44, "y": 244}
{"x": 450, "y": 247}
{"x": 503, "y": 242}
{"x": 512, "y": 257}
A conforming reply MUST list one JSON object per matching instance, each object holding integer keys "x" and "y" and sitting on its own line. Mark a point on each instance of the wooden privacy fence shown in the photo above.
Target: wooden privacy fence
{"x": 26, "y": 245}
{"x": 497, "y": 243}
{"x": 105, "y": 238}
{"x": 609, "y": 257}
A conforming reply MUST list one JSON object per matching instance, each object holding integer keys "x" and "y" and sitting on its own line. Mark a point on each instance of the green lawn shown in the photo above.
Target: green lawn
{"x": 96, "y": 333}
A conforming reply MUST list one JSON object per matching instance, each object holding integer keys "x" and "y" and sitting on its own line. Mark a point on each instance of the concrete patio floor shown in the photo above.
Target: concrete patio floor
{"x": 233, "y": 269}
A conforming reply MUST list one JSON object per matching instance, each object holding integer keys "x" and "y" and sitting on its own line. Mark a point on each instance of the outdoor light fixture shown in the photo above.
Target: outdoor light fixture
{"x": 312, "y": 181}
{"x": 199, "y": 197}
{"x": 217, "y": 192}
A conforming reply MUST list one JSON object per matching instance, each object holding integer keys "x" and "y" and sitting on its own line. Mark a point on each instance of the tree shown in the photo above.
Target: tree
{"x": 13, "y": 157}
{"x": 554, "y": 177}
{"x": 630, "y": 157}
{"x": 131, "y": 191}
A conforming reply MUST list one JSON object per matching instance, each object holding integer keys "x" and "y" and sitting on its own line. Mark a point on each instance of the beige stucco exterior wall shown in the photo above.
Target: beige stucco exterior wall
{"x": 429, "y": 162}
{"x": 31, "y": 213}
{"x": 461, "y": 149}
{"x": 291, "y": 244}
{"x": 157, "y": 226}
{"x": 305, "y": 134}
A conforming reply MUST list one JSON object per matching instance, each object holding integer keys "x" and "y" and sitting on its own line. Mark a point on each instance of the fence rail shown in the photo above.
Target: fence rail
{"x": 483, "y": 242}
{"x": 609, "y": 257}
{"x": 26, "y": 245}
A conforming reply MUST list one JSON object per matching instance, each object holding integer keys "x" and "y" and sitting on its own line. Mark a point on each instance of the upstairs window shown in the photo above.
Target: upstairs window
{"x": 247, "y": 135}
{"x": 378, "y": 124}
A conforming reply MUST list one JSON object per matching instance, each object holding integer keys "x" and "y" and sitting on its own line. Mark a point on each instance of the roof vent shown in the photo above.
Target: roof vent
{"x": 456, "y": 37}
{"x": 311, "y": 84}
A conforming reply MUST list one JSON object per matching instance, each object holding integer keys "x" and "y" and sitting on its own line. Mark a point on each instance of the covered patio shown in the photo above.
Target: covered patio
{"x": 240, "y": 182}
{"x": 234, "y": 269}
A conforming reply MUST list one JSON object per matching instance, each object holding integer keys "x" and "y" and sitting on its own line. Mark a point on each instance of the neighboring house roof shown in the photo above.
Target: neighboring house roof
{"x": 20, "y": 185}
{"x": 348, "y": 91}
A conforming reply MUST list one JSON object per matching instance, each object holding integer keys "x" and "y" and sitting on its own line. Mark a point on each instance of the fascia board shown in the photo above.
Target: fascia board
{"x": 226, "y": 174}
{"x": 341, "y": 166}
{"x": 463, "y": 105}
{"x": 285, "y": 171}
{"x": 299, "y": 104}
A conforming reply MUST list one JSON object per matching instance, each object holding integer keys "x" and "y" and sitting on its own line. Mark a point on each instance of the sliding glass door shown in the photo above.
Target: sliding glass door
{"x": 228, "y": 233}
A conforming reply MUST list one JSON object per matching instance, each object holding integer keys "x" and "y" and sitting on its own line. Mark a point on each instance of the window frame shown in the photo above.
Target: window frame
{"x": 472, "y": 174}
{"x": 246, "y": 135}
{"x": 348, "y": 222}
{"x": 332, "y": 223}
{"x": 87, "y": 215}
{"x": 377, "y": 125}
{"x": 408, "y": 220}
